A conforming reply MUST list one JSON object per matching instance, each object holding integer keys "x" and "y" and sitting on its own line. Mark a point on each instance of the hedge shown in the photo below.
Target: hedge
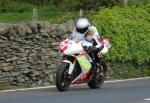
{"x": 129, "y": 32}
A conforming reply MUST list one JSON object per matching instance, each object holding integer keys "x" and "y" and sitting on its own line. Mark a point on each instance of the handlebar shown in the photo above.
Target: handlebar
{"x": 93, "y": 48}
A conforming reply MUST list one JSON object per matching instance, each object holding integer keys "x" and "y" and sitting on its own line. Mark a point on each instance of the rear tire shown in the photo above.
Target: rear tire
{"x": 97, "y": 81}
{"x": 62, "y": 80}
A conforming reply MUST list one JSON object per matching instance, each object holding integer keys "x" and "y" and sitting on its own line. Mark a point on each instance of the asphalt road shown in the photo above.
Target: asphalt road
{"x": 134, "y": 91}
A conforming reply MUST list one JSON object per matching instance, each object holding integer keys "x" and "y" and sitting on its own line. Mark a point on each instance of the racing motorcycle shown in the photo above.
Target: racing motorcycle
{"x": 79, "y": 65}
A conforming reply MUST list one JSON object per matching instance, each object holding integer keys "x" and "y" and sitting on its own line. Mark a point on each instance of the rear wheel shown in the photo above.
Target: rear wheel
{"x": 62, "y": 80}
{"x": 97, "y": 81}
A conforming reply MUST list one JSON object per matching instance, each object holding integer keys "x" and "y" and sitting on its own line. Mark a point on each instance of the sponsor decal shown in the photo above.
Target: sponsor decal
{"x": 85, "y": 64}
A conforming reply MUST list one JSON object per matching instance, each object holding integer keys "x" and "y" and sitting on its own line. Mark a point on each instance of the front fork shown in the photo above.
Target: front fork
{"x": 71, "y": 65}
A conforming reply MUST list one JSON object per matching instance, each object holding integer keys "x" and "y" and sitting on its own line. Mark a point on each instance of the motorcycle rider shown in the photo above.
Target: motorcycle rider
{"x": 90, "y": 34}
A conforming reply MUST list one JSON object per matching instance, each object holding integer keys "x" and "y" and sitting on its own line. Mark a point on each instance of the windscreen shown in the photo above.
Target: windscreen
{"x": 76, "y": 36}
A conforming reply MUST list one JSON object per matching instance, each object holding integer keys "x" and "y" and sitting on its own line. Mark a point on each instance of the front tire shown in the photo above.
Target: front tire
{"x": 62, "y": 80}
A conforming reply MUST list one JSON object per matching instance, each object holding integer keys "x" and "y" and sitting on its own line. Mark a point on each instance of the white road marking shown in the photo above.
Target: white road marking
{"x": 36, "y": 88}
{"x": 147, "y": 99}
{"x": 115, "y": 81}
{"x": 25, "y": 89}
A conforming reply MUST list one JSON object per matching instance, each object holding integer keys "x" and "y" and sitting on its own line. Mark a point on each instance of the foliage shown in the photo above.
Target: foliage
{"x": 64, "y": 5}
{"x": 138, "y": 2}
{"x": 128, "y": 71}
{"x": 128, "y": 30}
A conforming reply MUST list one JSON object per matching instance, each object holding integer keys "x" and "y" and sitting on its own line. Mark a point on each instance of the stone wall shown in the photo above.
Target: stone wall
{"x": 29, "y": 52}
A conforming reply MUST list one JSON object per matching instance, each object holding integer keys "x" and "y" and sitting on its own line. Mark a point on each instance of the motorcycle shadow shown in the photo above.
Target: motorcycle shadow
{"x": 76, "y": 88}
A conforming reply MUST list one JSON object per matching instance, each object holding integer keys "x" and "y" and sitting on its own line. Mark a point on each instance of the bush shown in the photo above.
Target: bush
{"x": 138, "y": 2}
{"x": 129, "y": 32}
{"x": 124, "y": 71}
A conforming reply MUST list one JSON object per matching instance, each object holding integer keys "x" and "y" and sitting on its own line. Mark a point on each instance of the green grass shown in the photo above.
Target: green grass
{"x": 15, "y": 17}
{"x": 10, "y": 14}
{"x": 45, "y": 13}
{"x": 52, "y": 17}
{"x": 57, "y": 17}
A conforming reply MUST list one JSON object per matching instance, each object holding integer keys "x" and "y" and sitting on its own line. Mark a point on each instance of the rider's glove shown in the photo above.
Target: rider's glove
{"x": 91, "y": 48}
{"x": 99, "y": 47}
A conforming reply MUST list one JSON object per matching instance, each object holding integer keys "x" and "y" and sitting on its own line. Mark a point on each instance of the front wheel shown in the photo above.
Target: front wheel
{"x": 62, "y": 80}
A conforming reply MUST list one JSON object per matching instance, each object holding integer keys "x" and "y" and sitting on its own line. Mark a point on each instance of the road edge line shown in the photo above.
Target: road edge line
{"x": 124, "y": 80}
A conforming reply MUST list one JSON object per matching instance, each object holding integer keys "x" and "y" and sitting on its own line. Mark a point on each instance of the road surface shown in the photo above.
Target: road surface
{"x": 134, "y": 91}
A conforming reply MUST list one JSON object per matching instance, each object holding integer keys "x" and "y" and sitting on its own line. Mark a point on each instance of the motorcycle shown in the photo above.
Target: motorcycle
{"x": 79, "y": 65}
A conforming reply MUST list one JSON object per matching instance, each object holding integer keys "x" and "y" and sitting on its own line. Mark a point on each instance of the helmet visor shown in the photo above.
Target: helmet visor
{"x": 82, "y": 30}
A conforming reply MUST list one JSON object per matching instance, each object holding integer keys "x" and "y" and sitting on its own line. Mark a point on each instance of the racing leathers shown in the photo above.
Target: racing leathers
{"x": 92, "y": 36}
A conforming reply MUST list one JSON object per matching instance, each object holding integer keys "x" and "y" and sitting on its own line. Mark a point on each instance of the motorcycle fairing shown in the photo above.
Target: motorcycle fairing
{"x": 85, "y": 70}
{"x": 71, "y": 66}
{"x": 74, "y": 47}
{"x": 84, "y": 63}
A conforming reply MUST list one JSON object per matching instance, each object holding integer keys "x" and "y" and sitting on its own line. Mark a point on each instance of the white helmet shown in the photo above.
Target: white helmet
{"x": 82, "y": 25}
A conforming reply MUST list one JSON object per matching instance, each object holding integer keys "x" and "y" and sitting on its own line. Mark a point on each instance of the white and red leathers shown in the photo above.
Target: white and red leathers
{"x": 92, "y": 33}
